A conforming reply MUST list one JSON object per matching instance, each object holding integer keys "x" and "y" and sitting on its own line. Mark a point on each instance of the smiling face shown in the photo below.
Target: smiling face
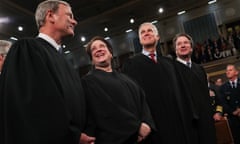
{"x": 148, "y": 35}
{"x": 183, "y": 47}
{"x": 101, "y": 56}
{"x": 63, "y": 20}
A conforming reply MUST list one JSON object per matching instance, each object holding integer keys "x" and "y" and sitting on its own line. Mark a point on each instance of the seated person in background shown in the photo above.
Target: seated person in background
{"x": 117, "y": 109}
{"x": 215, "y": 102}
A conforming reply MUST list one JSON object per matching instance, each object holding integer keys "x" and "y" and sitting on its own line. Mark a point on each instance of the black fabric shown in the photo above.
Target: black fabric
{"x": 116, "y": 107}
{"x": 41, "y": 97}
{"x": 160, "y": 85}
{"x": 198, "y": 114}
{"x": 230, "y": 100}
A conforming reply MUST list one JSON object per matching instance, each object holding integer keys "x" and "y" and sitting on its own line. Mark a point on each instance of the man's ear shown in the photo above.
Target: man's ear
{"x": 50, "y": 16}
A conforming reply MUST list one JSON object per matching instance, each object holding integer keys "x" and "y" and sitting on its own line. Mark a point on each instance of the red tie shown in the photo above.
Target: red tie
{"x": 152, "y": 56}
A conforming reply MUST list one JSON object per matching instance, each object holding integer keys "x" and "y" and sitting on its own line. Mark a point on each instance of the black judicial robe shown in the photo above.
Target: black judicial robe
{"x": 197, "y": 113}
{"x": 159, "y": 82}
{"x": 116, "y": 107}
{"x": 41, "y": 96}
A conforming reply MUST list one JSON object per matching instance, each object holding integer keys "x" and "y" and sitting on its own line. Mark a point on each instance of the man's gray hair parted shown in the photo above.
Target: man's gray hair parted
{"x": 155, "y": 30}
{"x": 44, "y": 7}
{"x": 4, "y": 46}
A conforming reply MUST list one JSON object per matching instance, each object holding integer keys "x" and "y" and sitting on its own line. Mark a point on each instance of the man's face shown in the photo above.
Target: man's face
{"x": 231, "y": 72}
{"x": 64, "y": 21}
{"x": 183, "y": 47}
{"x": 101, "y": 56}
{"x": 147, "y": 36}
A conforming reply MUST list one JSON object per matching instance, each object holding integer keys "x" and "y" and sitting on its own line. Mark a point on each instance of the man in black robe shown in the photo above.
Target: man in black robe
{"x": 116, "y": 106}
{"x": 157, "y": 78}
{"x": 198, "y": 113}
{"x": 41, "y": 96}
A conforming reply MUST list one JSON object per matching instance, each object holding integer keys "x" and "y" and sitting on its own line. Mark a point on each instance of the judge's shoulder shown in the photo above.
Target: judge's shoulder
{"x": 27, "y": 43}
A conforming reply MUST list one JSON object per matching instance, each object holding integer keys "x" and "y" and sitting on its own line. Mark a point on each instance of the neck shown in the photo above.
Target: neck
{"x": 185, "y": 58}
{"x": 106, "y": 69}
{"x": 150, "y": 49}
{"x": 233, "y": 78}
{"x": 51, "y": 33}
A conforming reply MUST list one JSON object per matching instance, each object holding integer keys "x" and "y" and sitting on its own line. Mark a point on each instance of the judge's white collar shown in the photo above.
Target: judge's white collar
{"x": 146, "y": 53}
{"x": 50, "y": 40}
{"x": 183, "y": 61}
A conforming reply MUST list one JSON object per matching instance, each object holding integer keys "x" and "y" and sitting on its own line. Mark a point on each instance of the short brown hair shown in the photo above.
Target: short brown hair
{"x": 182, "y": 34}
{"x": 88, "y": 48}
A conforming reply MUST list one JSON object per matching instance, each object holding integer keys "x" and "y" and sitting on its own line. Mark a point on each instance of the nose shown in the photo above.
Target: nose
{"x": 74, "y": 22}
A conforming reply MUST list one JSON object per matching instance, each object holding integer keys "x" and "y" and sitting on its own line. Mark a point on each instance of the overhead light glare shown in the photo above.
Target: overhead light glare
{"x": 20, "y": 28}
{"x": 129, "y": 30}
{"x": 4, "y": 20}
{"x": 181, "y": 12}
{"x": 160, "y": 10}
{"x": 83, "y": 39}
{"x": 67, "y": 52}
{"x": 155, "y": 21}
{"x": 107, "y": 38}
{"x": 131, "y": 20}
{"x": 13, "y": 38}
{"x": 105, "y": 29}
{"x": 212, "y": 1}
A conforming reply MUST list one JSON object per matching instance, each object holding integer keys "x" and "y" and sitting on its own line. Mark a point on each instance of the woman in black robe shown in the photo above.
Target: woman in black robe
{"x": 116, "y": 106}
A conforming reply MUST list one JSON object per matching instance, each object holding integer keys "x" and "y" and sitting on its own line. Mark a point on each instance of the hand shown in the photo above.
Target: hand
{"x": 144, "y": 131}
{"x": 85, "y": 139}
{"x": 217, "y": 117}
{"x": 211, "y": 93}
{"x": 236, "y": 112}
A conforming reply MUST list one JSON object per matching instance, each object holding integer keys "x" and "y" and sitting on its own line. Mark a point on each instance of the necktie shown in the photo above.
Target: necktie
{"x": 189, "y": 64}
{"x": 233, "y": 84}
{"x": 152, "y": 57}
{"x": 60, "y": 50}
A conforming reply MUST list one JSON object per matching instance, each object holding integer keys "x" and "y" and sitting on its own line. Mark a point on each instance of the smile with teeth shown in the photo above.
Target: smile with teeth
{"x": 99, "y": 54}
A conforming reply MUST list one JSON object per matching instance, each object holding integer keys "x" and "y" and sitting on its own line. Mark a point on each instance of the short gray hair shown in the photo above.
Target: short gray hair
{"x": 155, "y": 30}
{"x": 4, "y": 46}
{"x": 43, "y": 7}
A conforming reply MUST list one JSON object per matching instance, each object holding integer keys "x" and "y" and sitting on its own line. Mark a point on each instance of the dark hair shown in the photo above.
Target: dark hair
{"x": 182, "y": 34}
{"x": 88, "y": 48}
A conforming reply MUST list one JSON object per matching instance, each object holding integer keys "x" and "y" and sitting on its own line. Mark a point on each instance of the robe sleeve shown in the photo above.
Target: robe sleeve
{"x": 32, "y": 105}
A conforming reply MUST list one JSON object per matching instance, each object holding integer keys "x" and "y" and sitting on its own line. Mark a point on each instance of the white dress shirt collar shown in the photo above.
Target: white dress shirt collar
{"x": 146, "y": 53}
{"x": 50, "y": 40}
{"x": 183, "y": 61}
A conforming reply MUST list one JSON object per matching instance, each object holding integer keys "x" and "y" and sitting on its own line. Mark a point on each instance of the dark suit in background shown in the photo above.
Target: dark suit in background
{"x": 230, "y": 98}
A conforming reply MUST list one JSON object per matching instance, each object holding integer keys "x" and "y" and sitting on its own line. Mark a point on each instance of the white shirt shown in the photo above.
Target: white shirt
{"x": 184, "y": 62}
{"x": 146, "y": 53}
{"x": 50, "y": 40}
{"x": 235, "y": 83}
